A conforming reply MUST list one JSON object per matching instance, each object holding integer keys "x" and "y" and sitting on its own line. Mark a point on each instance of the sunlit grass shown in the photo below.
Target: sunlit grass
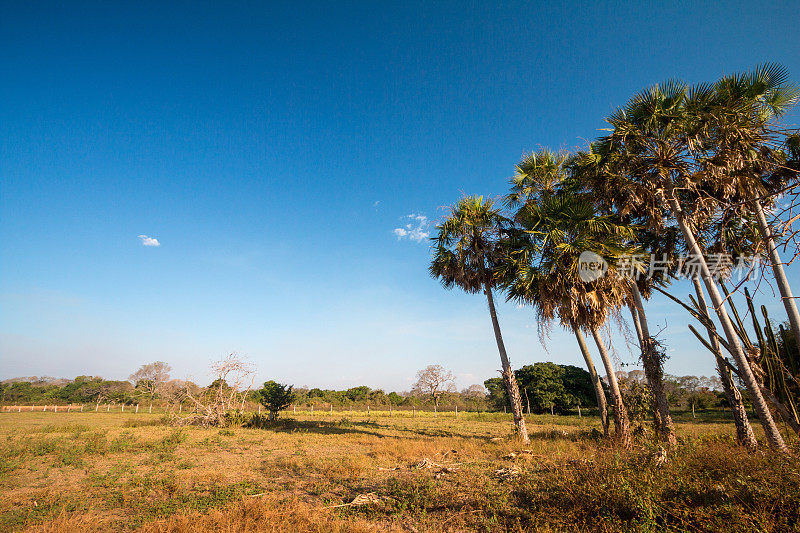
{"x": 99, "y": 471}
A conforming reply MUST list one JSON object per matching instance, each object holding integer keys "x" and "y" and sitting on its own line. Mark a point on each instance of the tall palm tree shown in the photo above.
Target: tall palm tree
{"x": 741, "y": 150}
{"x": 541, "y": 173}
{"x": 560, "y": 225}
{"x": 659, "y": 245}
{"x": 466, "y": 255}
{"x": 649, "y": 153}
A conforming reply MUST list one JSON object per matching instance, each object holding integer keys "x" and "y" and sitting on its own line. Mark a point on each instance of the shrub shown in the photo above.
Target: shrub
{"x": 276, "y": 397}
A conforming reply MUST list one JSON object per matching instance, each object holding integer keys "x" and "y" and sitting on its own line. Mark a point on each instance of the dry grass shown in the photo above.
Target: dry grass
{"x": 103, "y": 472}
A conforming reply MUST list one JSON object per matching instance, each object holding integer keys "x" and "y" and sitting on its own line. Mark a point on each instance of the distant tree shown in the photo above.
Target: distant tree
{"x": 547, "y": 385}
{"x": 434, "y": 380}
{"x": 151, "y": 377}
{"x": 276, "y": 397}
{"x": 498, "y": 396}
{"x": 474, "y": 392}
{"x": 394, "y": 398}
{"x": 578, "y": 383}
{"x": 358, "y": 394}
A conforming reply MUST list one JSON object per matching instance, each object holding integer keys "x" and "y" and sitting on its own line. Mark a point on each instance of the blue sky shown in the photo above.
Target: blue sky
{"x": 273, "y": 149}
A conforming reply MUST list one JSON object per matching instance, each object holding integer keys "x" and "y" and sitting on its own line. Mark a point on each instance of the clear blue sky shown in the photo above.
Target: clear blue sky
{"x": 273, "y": 149}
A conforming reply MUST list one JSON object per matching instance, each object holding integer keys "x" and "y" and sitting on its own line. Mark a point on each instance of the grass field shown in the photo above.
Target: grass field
{"x": 97, "y": 471}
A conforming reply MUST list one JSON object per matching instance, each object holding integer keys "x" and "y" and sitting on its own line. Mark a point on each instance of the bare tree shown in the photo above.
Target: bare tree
{"x": 474, "y": 392}
{"x": 435, "y": 380}
{"x": 234, "y": 378}
{"x": 151, "y": 377}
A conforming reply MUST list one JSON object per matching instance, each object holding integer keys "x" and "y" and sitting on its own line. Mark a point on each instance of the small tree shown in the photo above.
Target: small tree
{"x": 435, "y": 380}
{"x": 276, "y": 397}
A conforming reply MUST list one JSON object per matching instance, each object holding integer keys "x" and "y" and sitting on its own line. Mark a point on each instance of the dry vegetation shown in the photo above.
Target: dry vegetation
{"x": 97, "y": 471}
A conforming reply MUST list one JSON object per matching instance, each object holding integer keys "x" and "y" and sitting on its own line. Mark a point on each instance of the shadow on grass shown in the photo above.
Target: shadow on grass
{"x": 290, "y": 425}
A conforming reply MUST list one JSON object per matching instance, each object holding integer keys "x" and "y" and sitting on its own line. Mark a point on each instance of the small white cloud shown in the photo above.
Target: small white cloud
{"x": 416, "y": 229}
{"x": 149, "y": 241}
{"x": 376, "y": 203}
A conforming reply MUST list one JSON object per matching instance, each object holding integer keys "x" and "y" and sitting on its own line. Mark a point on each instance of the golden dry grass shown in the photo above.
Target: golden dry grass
{"x": 110, "y": 472}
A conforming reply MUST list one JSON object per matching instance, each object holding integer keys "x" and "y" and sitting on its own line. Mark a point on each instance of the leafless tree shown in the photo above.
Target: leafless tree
{"x": 474, "y": 392}
{"x": 151, "y": 377}
{"x": 234, "y": 378}
{"x": 435, "y": 380}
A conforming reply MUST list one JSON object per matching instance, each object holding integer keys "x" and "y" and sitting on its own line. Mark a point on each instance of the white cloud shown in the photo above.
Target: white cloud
{"x": 149, "y": 241}
{"x": 416, "y": 228}
{"x": 376, "y": 203}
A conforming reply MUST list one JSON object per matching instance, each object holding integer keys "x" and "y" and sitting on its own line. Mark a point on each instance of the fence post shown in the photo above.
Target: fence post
{"x": 108, "y": 408}
{"x": 456, "y": 411}
{"x": 123, "y": 407}
{"x": 19, "y": 409}
{"x": 367, "y": 410}
{"x": 331, "y": 409}
{"x": 312, "y": 409}
{"x": 435, "y": 411}
{"x": 151, "y": 408}
{"x": 259, "y": 409}
{"x": 294, "y": 408}
{"x": 137, "y": 408}
{"x": 81, "y": 408}
{"x": 96, "y": 407}
{"x": 180, "y": 407}
{"x": 390, "y": 410}
{"x": 69, "y": 408}
{"x": 55, "y": 408}
{"x": 579, "y": 410}
{"x": 414, "y": 413}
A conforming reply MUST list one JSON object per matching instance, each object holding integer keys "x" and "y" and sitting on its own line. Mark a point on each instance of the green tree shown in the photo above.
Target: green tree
{"x": 276, "y": 397}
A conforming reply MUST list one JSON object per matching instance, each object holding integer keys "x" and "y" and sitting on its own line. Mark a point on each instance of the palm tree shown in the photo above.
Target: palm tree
{"x": 649, "y": 154}
{"x": 466, "y": 256}
{"x": 741, "y": 150}
{"x": 561, "y": 224}
{"x": 540, "y": 173}
{"x": 659, "y": 245}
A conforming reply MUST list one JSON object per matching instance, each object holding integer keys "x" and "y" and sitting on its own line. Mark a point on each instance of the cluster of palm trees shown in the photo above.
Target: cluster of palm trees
{"x": 681, "y": 172}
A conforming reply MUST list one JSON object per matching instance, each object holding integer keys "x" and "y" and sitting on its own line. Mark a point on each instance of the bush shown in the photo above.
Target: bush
{"x": 276, "y": 397}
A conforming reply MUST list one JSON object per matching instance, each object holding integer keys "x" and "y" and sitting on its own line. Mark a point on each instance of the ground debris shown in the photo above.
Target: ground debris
{"x": 507, "y": 474}
{"x": 368, "y": 499}
{"x": 427, "y": 463}
{"x": 512, "y": 455}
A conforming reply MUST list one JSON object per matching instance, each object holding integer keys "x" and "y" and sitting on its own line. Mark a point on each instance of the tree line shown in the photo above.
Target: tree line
{"x": 547, "y": 387}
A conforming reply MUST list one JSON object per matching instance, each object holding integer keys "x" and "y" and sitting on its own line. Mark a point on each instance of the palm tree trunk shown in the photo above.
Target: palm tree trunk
{"x": 599, "y": 394}
{"x": 622, "y": 427}
{"x": 654, "y": 371}
{"x": 777, "y": 269}
{"x": 771, "y": 431}
{"x": 744, "y": 431}
{"x": 509, "y": 378}
{"x": 639, "y": 335}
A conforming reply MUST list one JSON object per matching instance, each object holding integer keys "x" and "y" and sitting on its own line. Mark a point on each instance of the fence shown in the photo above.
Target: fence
{"x": 325, "y": 410}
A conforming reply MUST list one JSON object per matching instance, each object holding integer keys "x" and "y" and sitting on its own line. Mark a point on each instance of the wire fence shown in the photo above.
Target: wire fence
{"x": 305, "y": 410}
